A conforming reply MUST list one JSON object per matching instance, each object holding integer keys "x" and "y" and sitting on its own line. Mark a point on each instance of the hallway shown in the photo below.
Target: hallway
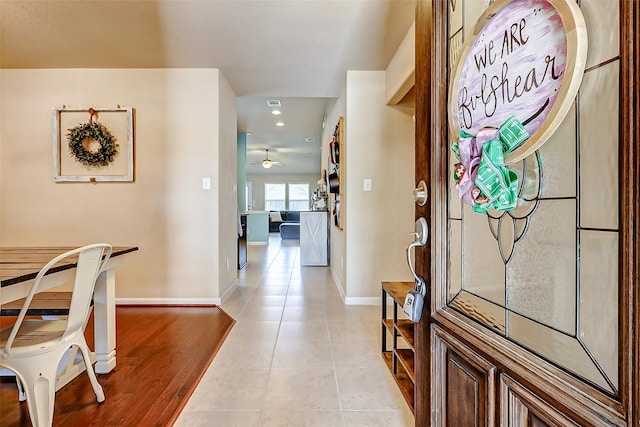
{"x": 297, "y": 356}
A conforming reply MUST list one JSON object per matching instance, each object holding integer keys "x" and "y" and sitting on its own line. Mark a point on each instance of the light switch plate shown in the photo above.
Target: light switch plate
{"x": 367, "y": 184}
{"x": 206, "y": 183}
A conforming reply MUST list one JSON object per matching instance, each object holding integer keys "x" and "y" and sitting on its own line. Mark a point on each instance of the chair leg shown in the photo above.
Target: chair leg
{"x": 97, "y": 388}
{"x": 21, "y": 396}
{"x": 39, "y": 387}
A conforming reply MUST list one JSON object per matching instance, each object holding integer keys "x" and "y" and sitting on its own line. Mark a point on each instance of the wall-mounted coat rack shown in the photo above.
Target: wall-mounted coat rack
{"x": 335, "y": 179}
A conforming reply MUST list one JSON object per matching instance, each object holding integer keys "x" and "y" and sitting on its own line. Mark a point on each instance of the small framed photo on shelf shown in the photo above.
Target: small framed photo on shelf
{"x": 92, "y": 144}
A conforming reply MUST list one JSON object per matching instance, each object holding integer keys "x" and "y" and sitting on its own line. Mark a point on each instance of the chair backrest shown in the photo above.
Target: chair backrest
{"x": 90, "y": 263}
{"x": 91, "y": 260}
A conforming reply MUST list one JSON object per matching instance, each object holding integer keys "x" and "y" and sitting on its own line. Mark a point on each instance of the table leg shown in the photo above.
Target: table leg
{"x": 104, "y": 321}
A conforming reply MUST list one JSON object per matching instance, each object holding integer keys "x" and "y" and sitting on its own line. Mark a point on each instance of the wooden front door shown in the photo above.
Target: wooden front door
{"x": 533, "y": 317}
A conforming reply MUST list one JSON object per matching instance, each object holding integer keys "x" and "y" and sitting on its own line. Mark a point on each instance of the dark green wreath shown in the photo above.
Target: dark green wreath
{"x": 79, "y": 137}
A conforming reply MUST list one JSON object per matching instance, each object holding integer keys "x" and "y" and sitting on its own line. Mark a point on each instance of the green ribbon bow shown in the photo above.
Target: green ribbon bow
{"x": 512, "y": 134}
{"x": 496, "y": 185}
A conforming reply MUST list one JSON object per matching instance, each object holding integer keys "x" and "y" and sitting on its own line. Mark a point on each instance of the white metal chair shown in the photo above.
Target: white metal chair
{"x": 33, "y": 348}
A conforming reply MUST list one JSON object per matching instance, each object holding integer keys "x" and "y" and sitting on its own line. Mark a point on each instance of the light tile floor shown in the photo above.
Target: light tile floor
{"x": 297, "y": 356}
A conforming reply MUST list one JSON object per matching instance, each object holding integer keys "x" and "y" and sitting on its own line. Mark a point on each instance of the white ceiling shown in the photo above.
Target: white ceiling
{"x": 267, "y": 49}
{"x": 287, "y": 144}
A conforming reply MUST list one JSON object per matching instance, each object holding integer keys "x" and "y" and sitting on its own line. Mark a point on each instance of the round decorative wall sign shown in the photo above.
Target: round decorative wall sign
{"x": 524, "y": 58}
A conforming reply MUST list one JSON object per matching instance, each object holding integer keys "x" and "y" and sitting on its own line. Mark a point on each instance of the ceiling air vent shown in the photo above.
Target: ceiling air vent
{"x": 274, "y": 103}
{"x": 310, "y": 140}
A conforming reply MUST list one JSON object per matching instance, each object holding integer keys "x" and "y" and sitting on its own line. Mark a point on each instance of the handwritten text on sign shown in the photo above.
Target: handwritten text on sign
{"x": 514, "y": 67}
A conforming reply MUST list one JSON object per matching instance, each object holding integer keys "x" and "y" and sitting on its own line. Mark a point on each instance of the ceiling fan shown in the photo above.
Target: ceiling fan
{"x": 267, "y": 163}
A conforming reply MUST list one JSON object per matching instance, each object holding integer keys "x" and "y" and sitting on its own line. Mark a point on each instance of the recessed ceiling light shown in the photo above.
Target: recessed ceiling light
{"x": 276, "y": 112}
{"x": 280, "y": 124}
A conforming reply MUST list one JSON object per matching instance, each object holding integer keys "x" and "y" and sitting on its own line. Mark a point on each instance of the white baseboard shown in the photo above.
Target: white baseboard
{"x": 336, "y": 281}
{"x": 353, "y": 300}
{"x": 168, "y": 301}
{"x": 179, "y": 301}
{"x": 227, "y": 293}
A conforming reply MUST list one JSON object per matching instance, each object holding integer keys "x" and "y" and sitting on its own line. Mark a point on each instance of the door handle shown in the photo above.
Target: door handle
{"x": 421, "y": 234}
{"x": 414, "y": 300}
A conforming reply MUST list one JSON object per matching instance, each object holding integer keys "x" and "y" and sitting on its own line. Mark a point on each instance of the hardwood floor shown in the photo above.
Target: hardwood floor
{"x": 162, "y": 353}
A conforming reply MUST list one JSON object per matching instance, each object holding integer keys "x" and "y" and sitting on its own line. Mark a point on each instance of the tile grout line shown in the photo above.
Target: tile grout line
{"x": 275, "y": 345}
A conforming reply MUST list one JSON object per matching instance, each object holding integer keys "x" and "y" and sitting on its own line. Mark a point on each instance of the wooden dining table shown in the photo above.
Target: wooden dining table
{"x": 20, "y": 265}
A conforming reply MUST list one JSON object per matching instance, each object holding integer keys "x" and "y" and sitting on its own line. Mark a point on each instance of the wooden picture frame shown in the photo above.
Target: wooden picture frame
{"x": 119, "y": 122}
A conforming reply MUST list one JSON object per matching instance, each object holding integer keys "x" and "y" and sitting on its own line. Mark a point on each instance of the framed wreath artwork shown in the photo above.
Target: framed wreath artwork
{"x": 92, "y": 144}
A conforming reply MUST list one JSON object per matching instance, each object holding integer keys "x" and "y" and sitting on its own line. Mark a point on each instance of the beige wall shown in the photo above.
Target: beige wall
{"x": 226, "y": 171}
{"x": 379, "y": 145}
{"x": 185, "y": 126}
{"x": 337, "y": 240}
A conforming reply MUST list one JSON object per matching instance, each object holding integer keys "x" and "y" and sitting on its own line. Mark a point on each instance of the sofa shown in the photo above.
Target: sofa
{"x": 292, "y": 221}
{"x": 290, "y": 231}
